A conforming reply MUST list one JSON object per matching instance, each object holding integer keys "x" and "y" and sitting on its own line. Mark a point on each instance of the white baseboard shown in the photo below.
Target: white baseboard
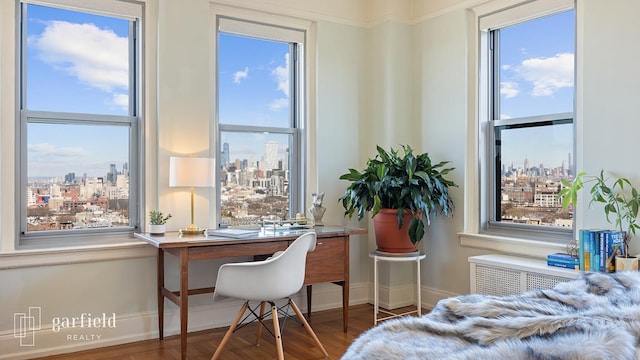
{"x": 430, "y": 296}
{"x": 144, "y": 326}
{"x": 405, "y": 295}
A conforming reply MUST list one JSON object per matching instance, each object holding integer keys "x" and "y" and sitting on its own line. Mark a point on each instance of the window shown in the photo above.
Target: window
{"x": 260, "y": 92}
{"x": 79, "y": 119}
{"x": 529, "y": 66}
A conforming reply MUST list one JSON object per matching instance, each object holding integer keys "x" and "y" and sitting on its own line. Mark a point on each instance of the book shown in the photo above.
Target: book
{"x": 587, "y": 250}
{"x": 564, "y": 265}
{"x": 232, "y": 233}
{"x": 562, "y": 262}
{"x": 594, "y": 248}
{"x": 603, "y": 238}
{"x": 581, "y": 236}
{"x": 563, "y": 256}
{"x": 614, "y": 247}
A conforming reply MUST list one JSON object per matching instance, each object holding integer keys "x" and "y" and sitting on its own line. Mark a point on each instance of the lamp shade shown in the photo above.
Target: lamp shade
{"x": 191, "y": 171}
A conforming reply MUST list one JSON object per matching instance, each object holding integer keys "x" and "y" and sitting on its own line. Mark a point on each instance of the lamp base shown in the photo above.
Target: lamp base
{"x": 192, "y": 230}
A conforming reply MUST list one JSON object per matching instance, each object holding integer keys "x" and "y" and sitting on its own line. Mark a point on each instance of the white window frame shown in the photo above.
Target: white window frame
{"x": 129, "y": 10}
{"x": 296, "y": 32}
{"x": 497, "y": 14}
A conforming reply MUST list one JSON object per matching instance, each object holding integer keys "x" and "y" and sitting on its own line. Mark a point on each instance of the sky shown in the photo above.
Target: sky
{"x": 253, "y": 89}
{"x": 537, "y": 78}
{"x": 79, "y": 63}
{"x": 76, "y": 63}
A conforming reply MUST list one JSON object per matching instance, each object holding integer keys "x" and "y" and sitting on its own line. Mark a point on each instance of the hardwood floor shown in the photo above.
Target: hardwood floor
{"x": 201, "y": 345}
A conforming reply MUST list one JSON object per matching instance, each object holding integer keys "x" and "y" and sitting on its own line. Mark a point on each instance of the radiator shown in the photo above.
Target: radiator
{"x": 506, "y": 275}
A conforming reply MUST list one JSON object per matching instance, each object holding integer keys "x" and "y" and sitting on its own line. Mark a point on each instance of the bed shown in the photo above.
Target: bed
{"x": 596, "y": 316}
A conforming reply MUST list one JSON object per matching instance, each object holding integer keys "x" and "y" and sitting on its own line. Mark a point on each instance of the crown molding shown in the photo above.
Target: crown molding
{"x": 422, "y": 10}
{"x": 360, "y": 13}
{"x": 351, "y": 12}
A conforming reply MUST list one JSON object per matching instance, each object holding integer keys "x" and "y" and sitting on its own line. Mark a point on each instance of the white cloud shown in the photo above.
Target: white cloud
{"x": 49, "y": 150}
{"x": 238, "y": 76}
{"x": 548, "y": 75}
{"x": 96, "y": 57}
{"x": 281, "y": 75}
{"x": 279, "y": 104}
{"x": 120, "y": 100}
{"x": 509, "y": 89}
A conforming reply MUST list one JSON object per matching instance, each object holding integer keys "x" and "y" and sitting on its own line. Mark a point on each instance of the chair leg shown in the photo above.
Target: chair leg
{"x": 276, "y": 331}
{"x": 308, "y": 328}
{"x": 230, "y": 331}
{"x": 259, "y": 334}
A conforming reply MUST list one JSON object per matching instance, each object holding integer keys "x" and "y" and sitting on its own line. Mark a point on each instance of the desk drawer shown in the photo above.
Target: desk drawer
{"x": 327, "y": 262}
{"x": 224, "y": 251}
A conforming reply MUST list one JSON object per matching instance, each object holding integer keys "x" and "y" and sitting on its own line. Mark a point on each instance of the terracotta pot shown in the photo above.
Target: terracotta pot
{"x": 389, "y": 238}
{"x": 626, "y": 263}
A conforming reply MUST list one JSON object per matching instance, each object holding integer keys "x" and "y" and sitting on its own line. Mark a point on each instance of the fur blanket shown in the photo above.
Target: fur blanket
{"x": 596, "y": 316}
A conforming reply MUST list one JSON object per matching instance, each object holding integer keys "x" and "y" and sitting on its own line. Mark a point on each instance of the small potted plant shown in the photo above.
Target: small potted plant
{"x": 157, "y": 222}
{"x": 621, "y": 202}
{"x": 400, "y": 189}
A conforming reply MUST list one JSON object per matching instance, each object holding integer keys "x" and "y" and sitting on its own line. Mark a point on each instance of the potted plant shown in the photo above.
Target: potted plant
{"x": 400, "y": 189}
{"x": 621, "y": 202}
{"x": 157, "y": 222}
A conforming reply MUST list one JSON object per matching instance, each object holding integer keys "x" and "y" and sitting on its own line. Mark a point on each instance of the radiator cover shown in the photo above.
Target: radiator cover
{"x": 506, "y": 275}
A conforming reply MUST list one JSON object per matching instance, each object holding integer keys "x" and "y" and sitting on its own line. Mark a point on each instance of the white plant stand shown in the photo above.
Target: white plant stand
{"x": 380, "y": 256}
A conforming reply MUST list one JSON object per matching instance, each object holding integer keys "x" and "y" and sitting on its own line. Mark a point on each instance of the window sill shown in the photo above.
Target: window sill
{"x": 78, "y": 254}
{"x": 508, "y": 245}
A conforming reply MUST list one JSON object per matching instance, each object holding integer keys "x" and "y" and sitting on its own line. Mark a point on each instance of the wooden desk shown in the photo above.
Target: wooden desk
{"x": 328, "y": 263}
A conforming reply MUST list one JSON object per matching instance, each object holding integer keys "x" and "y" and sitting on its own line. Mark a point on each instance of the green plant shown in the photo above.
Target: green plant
{"x": 621, "y": 200}
{"x": 158, "y": 218}
{"x": 400, "y": 181}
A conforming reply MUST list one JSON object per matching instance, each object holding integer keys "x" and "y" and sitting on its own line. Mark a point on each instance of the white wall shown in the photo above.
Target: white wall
{"x": 608, "y": 95}
{"x": 442, "y": 110}
{"x": 342, "y": 110}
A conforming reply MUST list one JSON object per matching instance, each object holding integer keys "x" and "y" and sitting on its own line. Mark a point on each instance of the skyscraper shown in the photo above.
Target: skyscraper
{"x": 270, "y": 160}
{"x": 113, "y": 173}
{"x": 225, "y": 154}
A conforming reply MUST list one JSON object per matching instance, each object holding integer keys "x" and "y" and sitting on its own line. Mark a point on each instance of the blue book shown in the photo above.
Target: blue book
{"x": 564, "y": 265}
{"x": 595, "y": 248}
{"x": 602, "y": 254}
{"x": 563, "y": 261}
{"x": 563, "y": 256}
{"x": 582, "y": 233}
{"x": 587, "y": 250}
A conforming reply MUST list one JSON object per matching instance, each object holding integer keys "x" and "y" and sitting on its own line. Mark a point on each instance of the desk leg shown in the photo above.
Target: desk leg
{"x": 184, "y": 300}
{"x": 345, "y": 286}
{"x": 160, "y": 295}
{"x": 345, "y": 305}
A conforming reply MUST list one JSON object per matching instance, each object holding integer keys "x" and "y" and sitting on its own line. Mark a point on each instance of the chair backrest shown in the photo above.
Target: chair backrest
{"x": 278, "y": 277}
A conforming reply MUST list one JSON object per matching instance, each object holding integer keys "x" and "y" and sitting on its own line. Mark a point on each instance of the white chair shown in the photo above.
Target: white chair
{"x": 278, "y": 277}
